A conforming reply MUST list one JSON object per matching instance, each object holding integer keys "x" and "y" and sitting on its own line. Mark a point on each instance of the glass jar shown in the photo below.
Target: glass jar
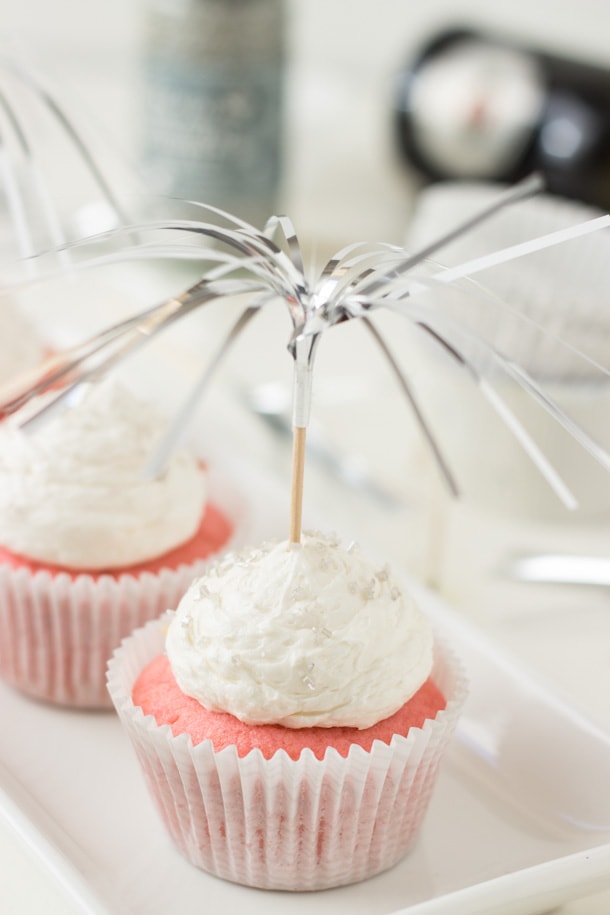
{"x": 212, "y": 107}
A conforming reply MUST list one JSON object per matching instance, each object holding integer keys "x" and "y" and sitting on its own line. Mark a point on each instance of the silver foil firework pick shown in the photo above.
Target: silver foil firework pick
{"x": 240, "y": 260}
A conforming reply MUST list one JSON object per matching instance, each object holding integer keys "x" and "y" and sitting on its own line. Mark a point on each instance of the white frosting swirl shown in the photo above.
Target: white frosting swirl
{"x": 72, "y": 493}
{"x": 300, "y": 636}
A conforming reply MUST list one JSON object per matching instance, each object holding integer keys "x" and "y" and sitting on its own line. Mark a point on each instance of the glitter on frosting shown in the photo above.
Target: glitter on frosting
{"x": 308, "y": 636}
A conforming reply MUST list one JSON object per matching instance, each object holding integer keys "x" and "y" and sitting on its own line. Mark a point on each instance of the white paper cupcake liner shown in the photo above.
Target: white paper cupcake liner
{"x": 57, "y": 632}
{"x": 278, "y": 823}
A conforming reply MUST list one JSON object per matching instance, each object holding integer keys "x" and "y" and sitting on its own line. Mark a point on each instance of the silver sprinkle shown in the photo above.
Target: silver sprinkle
{"x": 368, "y": 593}
{"x": 309, "y": 683}
{"x": 383, "y": 574}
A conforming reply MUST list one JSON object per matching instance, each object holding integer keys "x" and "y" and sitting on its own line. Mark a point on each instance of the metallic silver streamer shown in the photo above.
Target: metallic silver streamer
{"x": 28, "y": 110}
{"x": 242, "y": 260}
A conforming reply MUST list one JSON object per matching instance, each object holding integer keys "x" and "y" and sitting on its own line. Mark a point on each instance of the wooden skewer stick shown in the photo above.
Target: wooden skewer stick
{"x": 296, "y": 493}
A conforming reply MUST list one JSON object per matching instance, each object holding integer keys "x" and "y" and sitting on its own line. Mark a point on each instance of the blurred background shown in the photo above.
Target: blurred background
{"x": 343, "y": 177}
{"x": 378, "y": 122}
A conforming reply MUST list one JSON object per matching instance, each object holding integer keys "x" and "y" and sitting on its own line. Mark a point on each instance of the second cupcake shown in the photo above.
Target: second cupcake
{"x": 89, "y": 548}
{"x": 291, "y": 720}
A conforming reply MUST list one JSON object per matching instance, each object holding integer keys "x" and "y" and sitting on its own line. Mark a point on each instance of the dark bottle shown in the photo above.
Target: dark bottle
{"x": 473, "y": 106}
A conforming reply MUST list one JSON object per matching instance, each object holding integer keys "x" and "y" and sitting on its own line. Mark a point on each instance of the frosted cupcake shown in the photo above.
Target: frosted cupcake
{"x": 290, "y": 716}
{"x": 89, "y": 548}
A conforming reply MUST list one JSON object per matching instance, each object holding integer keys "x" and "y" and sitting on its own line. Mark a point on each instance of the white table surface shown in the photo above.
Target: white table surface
{"x": 342, "y": 185}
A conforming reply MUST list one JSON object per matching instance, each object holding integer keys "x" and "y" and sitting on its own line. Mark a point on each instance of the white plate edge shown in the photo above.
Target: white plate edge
{"x": 588, "y": 869}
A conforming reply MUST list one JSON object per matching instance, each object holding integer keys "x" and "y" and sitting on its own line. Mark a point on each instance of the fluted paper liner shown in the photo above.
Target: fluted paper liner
{"x": 279, "y": 823}
{"x": 58, "y": 632}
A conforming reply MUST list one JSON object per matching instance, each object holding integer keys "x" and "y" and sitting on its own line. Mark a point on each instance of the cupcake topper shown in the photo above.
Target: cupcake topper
{"x": 241, "y": 260}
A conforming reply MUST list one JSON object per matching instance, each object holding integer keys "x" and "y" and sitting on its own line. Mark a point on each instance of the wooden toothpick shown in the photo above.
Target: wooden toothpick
{"x": 296, "y": 492}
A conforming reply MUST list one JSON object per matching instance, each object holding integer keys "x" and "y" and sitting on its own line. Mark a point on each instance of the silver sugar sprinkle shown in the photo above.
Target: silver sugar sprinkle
{"x": 368, "y": 593}
{"x": 383, "y": 574}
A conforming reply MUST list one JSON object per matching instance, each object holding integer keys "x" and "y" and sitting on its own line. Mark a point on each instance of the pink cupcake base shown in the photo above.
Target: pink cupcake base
{"x": 280, "y": 823}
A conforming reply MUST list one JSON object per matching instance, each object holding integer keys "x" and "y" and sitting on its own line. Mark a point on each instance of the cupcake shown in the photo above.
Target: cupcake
{"x": 89, "y": 547}
{"x": 290, "y": 715}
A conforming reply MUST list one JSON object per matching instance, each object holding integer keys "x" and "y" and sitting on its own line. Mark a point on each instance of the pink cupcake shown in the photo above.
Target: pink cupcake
{"x": 290, "y": 716}
{"x": 90, "y": 548}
